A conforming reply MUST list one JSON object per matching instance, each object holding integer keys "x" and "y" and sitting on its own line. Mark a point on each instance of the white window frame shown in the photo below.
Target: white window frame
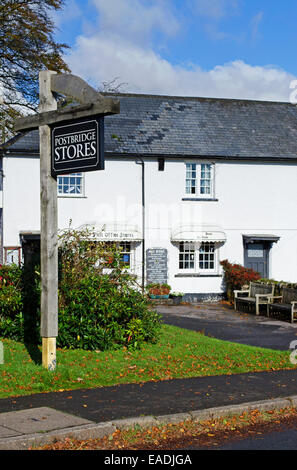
{"x": 124, "y": 251}
{"x": 213, "y": 254}
{"x": 184, "y": 257}
{"x": 73, "y": 194}
{"x": 197, "y": 269}
{"x": 13, "y": 255}
{"x": 194, "y": 179}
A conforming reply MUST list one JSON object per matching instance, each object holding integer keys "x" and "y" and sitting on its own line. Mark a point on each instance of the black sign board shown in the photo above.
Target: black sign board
{"x": 78, "y": 146}
{"x": 156, "y": 265}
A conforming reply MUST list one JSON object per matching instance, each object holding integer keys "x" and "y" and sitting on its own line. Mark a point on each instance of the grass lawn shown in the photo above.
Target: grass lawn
{"x": 179, "y": 354}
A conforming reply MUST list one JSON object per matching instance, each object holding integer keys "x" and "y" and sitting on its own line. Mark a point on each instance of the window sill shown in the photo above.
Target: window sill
{"x": 212, "y": 199}
{"x": 197, "y": 275}
{"x": 72, "y": 196}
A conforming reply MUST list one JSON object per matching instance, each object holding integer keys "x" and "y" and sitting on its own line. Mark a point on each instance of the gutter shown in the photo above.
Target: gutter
{"x": 4, "y": 151}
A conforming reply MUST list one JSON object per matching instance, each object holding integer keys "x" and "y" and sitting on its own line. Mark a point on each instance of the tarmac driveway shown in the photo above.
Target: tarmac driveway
{"x": 222, "y": 322}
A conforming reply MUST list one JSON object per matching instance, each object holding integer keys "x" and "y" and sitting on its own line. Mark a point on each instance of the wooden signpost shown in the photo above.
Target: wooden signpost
{"x": 71, "y": 140}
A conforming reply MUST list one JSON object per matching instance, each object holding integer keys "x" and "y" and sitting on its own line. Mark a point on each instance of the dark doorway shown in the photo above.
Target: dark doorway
{"x": 256, "y": 257}
{"x": 256, "y": 252}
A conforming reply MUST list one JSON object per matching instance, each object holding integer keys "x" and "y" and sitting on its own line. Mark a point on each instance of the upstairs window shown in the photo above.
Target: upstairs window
{"x": 199, "y": 180}
{"x": 70, "y": 185}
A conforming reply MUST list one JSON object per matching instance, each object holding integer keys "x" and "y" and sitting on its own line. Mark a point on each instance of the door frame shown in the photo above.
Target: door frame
{"x": 267, "y": 241}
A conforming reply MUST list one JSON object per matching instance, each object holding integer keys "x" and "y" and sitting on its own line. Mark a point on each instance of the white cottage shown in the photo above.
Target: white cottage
{"x": 187, "y": 183}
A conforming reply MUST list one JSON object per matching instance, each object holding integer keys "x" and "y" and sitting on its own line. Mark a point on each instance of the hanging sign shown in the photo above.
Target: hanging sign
{"x": 78, "y": 146}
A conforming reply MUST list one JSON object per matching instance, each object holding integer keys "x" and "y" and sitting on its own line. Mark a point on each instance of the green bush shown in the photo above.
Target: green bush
{"x": 100, "y": 304}
{"x": 12, "y": 328}
{"x": 11, "y": 302}
{"x": 99, "y": 314}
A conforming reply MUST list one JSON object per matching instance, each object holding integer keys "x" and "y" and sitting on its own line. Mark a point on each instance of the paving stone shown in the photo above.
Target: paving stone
{"x": 39, "y": 420}
{"x": 6, "y": 432}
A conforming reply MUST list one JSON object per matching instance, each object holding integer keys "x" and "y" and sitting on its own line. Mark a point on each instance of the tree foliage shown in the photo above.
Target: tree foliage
{"x": 27, "y": 45}
{"x": 100, "y": 303}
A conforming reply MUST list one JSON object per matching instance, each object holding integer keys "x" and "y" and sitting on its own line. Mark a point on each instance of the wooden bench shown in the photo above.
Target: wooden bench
{"x": 287, "y": 302}
{"x": 257, "y": 294}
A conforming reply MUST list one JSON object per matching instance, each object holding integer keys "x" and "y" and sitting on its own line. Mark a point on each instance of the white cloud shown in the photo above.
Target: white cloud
{"x": 101, "y": 58}
{"x": 69, "y": 12}
{"x": 215, "y": 9}
{"x": 121, "y": 47}
{"x": 212, "y": 13}
{"x": 136, "y": 19}
{"x": 255, "y": 22}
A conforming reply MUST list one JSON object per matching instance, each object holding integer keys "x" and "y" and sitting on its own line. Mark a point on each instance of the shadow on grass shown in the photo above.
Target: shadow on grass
{"x": 31, "y": 302}
{"x": 31, "y": 332}
{"x": 34, "y": 353}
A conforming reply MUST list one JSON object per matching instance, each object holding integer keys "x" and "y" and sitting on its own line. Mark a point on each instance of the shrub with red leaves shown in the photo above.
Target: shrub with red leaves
{"x": 236, "y": 276}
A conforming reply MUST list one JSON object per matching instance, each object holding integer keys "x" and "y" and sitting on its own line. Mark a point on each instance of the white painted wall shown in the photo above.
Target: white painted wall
{"x": 252, "y": 198}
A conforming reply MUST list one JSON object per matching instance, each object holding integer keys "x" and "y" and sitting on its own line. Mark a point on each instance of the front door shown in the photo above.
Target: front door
{"x": 256, "y": 257}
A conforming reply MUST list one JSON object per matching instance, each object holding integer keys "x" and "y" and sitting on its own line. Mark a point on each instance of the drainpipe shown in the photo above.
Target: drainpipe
{"x": 1, "y": 212}
{"x": 143, "y": 218}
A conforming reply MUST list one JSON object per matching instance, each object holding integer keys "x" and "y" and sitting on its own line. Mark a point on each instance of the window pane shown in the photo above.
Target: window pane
{"x": 206, "y": 255}
{"x": 125, "y": 249}
{"x": 255, "y": 250}
{"x": 191, "y": 178}
{"x": 199, "y": 178}
{"x": 186, "y": 255}
{"x": 70, "y": 184}
{"x": 206, "y": 179}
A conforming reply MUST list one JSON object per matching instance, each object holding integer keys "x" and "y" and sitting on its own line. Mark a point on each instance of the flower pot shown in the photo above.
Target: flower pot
{"x": 159, "y": 296}
{"x": 158, "y": 291}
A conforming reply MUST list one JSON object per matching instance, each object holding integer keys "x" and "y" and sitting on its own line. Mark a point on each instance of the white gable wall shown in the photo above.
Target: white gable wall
{"x": 21, "y": 198}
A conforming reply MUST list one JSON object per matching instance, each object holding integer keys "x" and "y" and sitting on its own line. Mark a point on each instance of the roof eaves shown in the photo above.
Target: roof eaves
{"x": 205, "y": 157}
{"x": 197, "y": 98}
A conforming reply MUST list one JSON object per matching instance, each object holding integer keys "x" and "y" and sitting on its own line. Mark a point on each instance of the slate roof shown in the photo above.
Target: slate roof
{"x": 151, "y": 125}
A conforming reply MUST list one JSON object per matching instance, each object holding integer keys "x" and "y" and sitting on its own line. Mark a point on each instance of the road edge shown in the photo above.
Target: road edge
{"x": 99, "y": 430}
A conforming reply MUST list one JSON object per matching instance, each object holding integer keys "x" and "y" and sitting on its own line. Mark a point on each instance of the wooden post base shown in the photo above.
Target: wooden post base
{"x": 49, "y": 353}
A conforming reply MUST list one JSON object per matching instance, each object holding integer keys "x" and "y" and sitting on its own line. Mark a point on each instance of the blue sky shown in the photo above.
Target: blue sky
{"x": 222, "y": 48}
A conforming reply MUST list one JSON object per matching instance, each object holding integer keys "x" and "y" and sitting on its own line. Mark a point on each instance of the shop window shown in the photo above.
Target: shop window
{"x": 125, "y": 251}
{"x": 207, "y": 256}
{"x": 125, "y": 254}
{"x": 198, "y": 257}
{"x": 187, "y": 255}
{"x": 12, "y": 255}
